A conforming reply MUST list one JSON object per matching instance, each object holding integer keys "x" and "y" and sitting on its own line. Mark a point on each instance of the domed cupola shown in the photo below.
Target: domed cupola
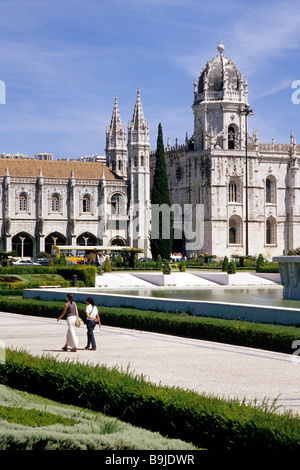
{"x": 220, "y": 97}
{"x": 219, "y": 80}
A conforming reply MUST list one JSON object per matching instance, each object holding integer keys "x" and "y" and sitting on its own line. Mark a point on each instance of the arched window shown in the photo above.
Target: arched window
{"x": 87, "y": 239}
{"x": 201, "y": 142}
{"x": 270, "y": 190}
{"x": 234, "y": 190}
{"x": 116, "y": 204}
{"x": 118, "y": 241}
{"x": 54, "y": 238}
{"x": 231, "y": 137}
{"x": 235, "y": 231}
{"x": 23, "y": 202}
{"x": 55, "y": 203}
{"x": 271, "y": 231}
{"x": 86, "y": 203}
{"x": 23, "y": 243}
{"x": 232, "y": 235}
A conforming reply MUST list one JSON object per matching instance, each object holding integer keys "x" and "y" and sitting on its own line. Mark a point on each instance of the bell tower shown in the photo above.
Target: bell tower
{"x": 139, "y": 178}
{"x": 220, "y": 99}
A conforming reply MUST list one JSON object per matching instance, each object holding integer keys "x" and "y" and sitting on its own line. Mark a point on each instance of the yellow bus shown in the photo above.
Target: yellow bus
{"x": 77, "y": 253}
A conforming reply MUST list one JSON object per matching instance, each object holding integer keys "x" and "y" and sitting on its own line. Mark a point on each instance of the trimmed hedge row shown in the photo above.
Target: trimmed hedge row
{"x": 258, "y": 335}
{"x": 84, "y": 273}
{"x": 268, "y": 268}
{"x": 205, "y": 421}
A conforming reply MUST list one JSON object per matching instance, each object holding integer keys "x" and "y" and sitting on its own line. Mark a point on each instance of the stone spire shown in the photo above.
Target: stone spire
{"x": 116, "y": 149}
{"x": 138, "y": 120}
{"x": 116, "y": 123}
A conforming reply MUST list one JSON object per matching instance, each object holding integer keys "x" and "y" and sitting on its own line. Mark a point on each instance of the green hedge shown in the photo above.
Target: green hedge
{"x": 258, "y": 335}
{"x": 268, "y": 268}
{"x": 84, "y": 273}
{"x": 87, "y": 274}
{"x": 207, "y": 422}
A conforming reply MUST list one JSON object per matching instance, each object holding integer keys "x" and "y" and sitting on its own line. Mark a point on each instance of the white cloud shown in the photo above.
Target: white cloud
{"x": 282, "y": 85}
{"x": 265, "y": 33}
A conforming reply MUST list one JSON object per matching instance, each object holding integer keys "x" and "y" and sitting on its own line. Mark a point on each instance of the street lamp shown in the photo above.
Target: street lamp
{"x": 246, "y": 112}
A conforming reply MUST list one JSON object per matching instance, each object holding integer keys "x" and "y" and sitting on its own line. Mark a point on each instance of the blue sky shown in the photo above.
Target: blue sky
{"x": 62, "y": 63}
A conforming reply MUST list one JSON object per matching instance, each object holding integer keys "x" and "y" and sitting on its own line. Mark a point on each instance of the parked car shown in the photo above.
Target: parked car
{"x": 25, "y": 262}
{"x": 42, "y": 261}
{"x": 68, "y": 261}
{"x": 145, "y": 260}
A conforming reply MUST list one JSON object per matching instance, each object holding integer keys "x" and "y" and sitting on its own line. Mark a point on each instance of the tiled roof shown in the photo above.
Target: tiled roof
{"x": 55, "y": 169}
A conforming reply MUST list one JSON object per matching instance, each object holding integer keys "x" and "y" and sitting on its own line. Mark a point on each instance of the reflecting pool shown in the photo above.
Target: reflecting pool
{"x": 271, "y": 296}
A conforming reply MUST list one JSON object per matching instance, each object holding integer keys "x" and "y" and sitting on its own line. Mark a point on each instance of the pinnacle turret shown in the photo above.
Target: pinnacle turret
{"x": 138, "y": 121}
{"x": 116, "y": 123}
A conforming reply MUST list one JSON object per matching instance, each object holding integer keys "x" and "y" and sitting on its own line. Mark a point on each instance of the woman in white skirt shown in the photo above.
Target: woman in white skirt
{"x": 72, "y": 312}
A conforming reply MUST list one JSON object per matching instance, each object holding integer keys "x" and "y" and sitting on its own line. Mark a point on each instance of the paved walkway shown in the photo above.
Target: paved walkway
{"x": 214, "y": 368}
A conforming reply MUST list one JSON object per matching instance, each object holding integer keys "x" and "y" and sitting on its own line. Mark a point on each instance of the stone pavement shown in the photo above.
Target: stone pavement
{"x": 204, "y": 366}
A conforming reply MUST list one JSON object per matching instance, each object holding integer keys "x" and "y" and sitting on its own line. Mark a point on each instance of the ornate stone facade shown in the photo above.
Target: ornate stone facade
{"x": 80, "y": 203}
{"x": 250, "y": 196}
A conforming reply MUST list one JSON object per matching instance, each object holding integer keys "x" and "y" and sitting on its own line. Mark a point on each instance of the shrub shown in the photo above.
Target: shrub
{"x": 259, "y": 262}
{"x": 166, "y": 268}
{"x": 84, "y": 273}
{"x": 225, "y": 264}
{"x": 268, "y": 268}
{"x": 295, "y": 252}
{"x": 231, "y": 268}
{"x": 107, "y": 265}
{"x": 42, "y": 254}
{"x": 62, "y": 260}
{"x": 206, "y": 421}
{"x": 182, "y": 266}
{"x": 159, "y": 262}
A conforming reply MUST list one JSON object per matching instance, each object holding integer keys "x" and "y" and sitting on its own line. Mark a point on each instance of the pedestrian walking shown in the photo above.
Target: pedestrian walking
{"x": 72, "y": 312}
{"x": 92, "y": 319}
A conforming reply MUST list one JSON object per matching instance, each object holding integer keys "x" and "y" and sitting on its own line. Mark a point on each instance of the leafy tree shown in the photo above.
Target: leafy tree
{"x": 161, "y": 195}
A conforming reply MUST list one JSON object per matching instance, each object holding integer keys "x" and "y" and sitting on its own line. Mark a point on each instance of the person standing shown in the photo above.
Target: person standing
{"x": 92, "y": 319}
{"x": 72, "y": 312}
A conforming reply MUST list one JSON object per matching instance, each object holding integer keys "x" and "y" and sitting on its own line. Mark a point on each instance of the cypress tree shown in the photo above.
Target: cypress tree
{"x": 161, "y": 195}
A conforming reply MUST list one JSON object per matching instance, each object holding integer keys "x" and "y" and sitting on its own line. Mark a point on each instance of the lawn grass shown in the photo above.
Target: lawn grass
{"x": 36, "y": 277}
